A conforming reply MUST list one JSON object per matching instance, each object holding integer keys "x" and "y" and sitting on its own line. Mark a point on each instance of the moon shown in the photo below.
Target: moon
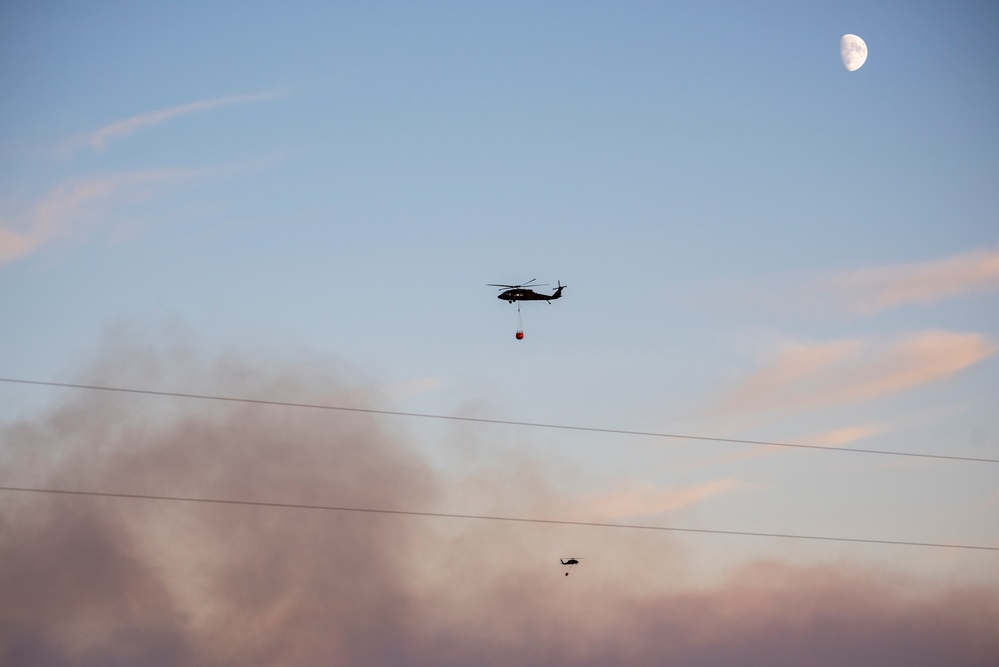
{"x": 853, "y": 51}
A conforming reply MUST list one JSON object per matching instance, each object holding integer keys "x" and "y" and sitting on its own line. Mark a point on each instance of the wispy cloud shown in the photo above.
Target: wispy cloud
{"x": 833, "y": 438}
{"x": 13, "y": 245}
{"x": 644, "y": 501}
{"x": 870, "y": 290}
{"x": 843, "y": 436}
{"x": 63, "y": 211}
{"x": 817, "y": 375}
{"x": 100, "y": 139}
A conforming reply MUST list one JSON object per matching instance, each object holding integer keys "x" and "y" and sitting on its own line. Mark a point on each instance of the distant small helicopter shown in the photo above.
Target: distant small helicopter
{"x": 523, "y": 293}
{"x": 570, "y": 562}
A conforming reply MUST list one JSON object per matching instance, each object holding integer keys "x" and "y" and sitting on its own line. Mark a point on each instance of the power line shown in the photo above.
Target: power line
{"x": 482, "y": 517}
{"x": 503, "y": 422}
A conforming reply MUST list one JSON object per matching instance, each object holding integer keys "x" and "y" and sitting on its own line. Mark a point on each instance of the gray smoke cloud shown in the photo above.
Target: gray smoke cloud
{"x": 108, "y": 581}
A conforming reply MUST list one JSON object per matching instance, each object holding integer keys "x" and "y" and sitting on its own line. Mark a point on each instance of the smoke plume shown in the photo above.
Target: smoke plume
{"x": 116, "y": 581}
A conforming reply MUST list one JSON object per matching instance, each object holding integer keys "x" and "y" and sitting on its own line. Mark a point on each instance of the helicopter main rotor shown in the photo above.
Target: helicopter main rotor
{"x": 529, "y": 284}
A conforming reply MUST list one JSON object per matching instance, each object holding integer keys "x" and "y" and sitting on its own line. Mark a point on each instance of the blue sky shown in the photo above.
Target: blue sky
{"x": 758, "y": 245}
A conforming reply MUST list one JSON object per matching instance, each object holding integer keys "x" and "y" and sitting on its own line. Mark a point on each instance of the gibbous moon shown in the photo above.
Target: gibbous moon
{"x": 853, "y": 51}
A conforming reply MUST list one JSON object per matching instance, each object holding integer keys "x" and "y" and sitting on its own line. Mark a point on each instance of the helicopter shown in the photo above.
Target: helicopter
{"x": 570, "y": 562}
{"x": 524, "y": 293}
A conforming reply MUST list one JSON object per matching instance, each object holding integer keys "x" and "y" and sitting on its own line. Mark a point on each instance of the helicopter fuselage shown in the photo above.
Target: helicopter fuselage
{"x": 521, "y": 294}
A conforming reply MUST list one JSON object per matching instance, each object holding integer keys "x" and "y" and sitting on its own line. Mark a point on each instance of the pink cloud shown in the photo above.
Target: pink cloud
{"x": 13, "y": 245}
{"x": 66, "y": 209}
{"x": 843, "y": 436}
{"x": 875, "y": 289}
{"x": 813, "y": 376}
{"x": 644, "y": 501}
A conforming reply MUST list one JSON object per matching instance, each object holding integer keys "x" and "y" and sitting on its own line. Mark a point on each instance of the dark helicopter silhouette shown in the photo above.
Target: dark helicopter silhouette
{"x": 522, "y": 293}
{"x": 569, "y": 563}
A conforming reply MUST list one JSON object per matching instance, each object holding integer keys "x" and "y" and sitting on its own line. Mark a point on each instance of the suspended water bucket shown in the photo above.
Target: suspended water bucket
{"x": 520, "y": 335}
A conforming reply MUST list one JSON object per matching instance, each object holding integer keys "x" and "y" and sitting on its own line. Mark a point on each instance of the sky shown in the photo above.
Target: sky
{"x": 305, "y": 203}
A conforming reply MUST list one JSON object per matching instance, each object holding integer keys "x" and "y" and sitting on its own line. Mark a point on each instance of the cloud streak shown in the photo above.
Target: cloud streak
{"x": 844, "y": 436}
{"x": 871, "y": 290}
{"x": 64, "y": 211}
{"x": 821, "y": 375}
{"x": 110, "y": 581}
{"x": 638, "y": 502}
{"x": 100, "y": 139}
